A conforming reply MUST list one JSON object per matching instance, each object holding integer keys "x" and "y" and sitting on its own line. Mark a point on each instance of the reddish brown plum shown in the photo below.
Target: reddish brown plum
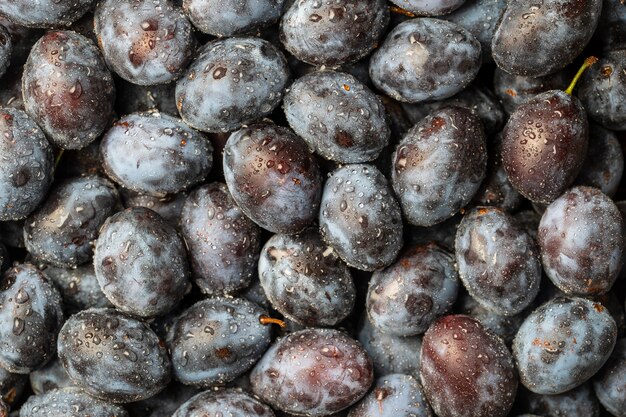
{"x": 544, "y": 145}
{"x": 273, "y": 177}
{"x": 466, "y": 370}
{"x": 313, "y": 372}
{"x": 68, "y": 89}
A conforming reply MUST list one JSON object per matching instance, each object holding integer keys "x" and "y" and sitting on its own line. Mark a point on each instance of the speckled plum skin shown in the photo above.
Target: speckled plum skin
{"x": 31, "y": 317}
{"x": 232, "y": 82}
{"x": 305, "y": 280}
{"x": 604, "y": 165}
{"x": 481, "y": 18}
{"x": 145, "y": 42}
{"x": 44, "y": 13}
{"x": 429, "y": 7}
{"x": 610, "y": 383}
{"x": 581, "y": 240}
{"x": 466, "y": 369}
{"x": 27, "y": 168}
{"x": 498, "y": 262}
{"x": 544, "y": 145}
{"x": 439, "y": 165}
{"x": 216, "y": 340}
{"x": 232, "y": 17}
{"x": 223, "y": 243}
{"x": 333, "y": 32}
{"x": 393, "y": 395}
{"x": 68, "y": 402}
{"x": 232, "y": 403}
{"x": 360, "y": 217}
{"x": 273, "y": 177}
{"x": 577, "y": 402}
{"x": 313, "y": 372}
{"x": 602, "y": 90}
{"x": 425, "y": 59}
{"x": 112, "y": 356}
{"x": 537, "y": 38}
{"x": 6, "y": 49}
{"x": 141, "y": 263}
{"x": 78, "y": 287}
{"x": 156, "y": 154}
{"x": 339, "y": 117}
{"x": 68, "y": 89}
{"x": 562, "y": 344}
{"x": 410, "y": 294}
{"x": 62, "y": 230}
{"x": 390, "y": 354}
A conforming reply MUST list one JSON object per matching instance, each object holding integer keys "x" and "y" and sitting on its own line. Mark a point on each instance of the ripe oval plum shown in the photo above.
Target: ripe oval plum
{"x": 497, "y": 260}
{"x": 338, "y": 116}
{"x": 604, "y": 165}
{"x": 304, "y": 281}
{"x": 68, "y": 89}
{"x": 145, "y": 42}
{"x": 313, "y": 372}
{"x": 406, "y": 297}
{"x": 466, "y": 370}
{"x": 333, "y": 32}
{"x": 68, "y": 402}
{"x": 155, "y": 154}
{"x": 112, "y": 356}
{"x": 31, "y": 317}
{"x": 27, "y": 167}
{"x": 536, "y": 38}
{"x": 425, "y": 59}
{"x": 223, "y": 243}
{"x": 79, "y": 287}
{"x": 360, "y": 217}
{"x": 232, "y": 82}
{"x": 45, "y": 13}
{"x": 581, "y": 240}
{"x": 611, "y": 32}
{"x": 216, "y": 340}
{"x": 141, "y": 263}
{"x": 61, "y": 232}
{"x": 544, "y": 145}
{"x": 562, "y": 344}
{"x": 273, "y": 177}
{"x": 439, "y": 165}
{"x": 230, "y": 402}
{"x": 610, "y": 383}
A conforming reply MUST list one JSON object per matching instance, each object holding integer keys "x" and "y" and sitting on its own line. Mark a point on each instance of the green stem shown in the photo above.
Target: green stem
{"x": 588, "y": 62}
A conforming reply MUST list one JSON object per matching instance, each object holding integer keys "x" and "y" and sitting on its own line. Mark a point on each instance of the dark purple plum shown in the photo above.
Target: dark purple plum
{"x": 405, "y": 298}
{"x": 498, "y": 262}
{"x": 610, "y": 383}
{"x": 145, "y": 42}
{"x": 223, "y": 243}
{"x": 68, "y": 89}
{"x": 232, "y": 17}
{"x": 466, "y": 370}
{"x": 27, "y": 167}
{"x": 305, "y": 280}
{"x": 439, "y": 165}
{"x": 394, "y": 395}
{"x": 22, "y": 38}
{"x": 169, "y": 206}
{"x": 112, "y": 356}
{"x": 232, "y": 403}
{"x": 604, "y": 164}
{"x": 31, "y": 317}
{"x": 338, "y": 116}
{"x": 577, "y": 402}
{"x": 562, "y": 344}
{"x": 529, "y": 221}
{"x": 313, "y": 372}
{"x": 504, "y": 326}
{"x": 155, "y": 154}
{"x": 581, "y": 241}
{"x": 6, "y": 49}
{"x": 51, "y": 377}
{"x": 429, "y": 7}
{"x": 61, "y": 231}
{"x": 273, "y": 177}
{"x": 611, "y": 32}
{"x": 333, "y": 32}
{"x": 360, "y": 218}
{"x": 44, "y": 13}
{"x": 216, "y": 340}
{"x": 79, "y": 287}
{"x": 141, "y": 263}
{"x": 425, "y": 59}
{"x": 231, "y": 83}
{"x": 536, "y": 38}
{"x": 68, "y": 402}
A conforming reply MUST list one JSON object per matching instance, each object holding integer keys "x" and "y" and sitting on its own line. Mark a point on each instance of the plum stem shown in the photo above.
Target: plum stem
{"x": 57, "y": 160}
{"x": 400, "y": 10}
{"x": 588, "y": 62}
{"x": 265, "y": 320}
